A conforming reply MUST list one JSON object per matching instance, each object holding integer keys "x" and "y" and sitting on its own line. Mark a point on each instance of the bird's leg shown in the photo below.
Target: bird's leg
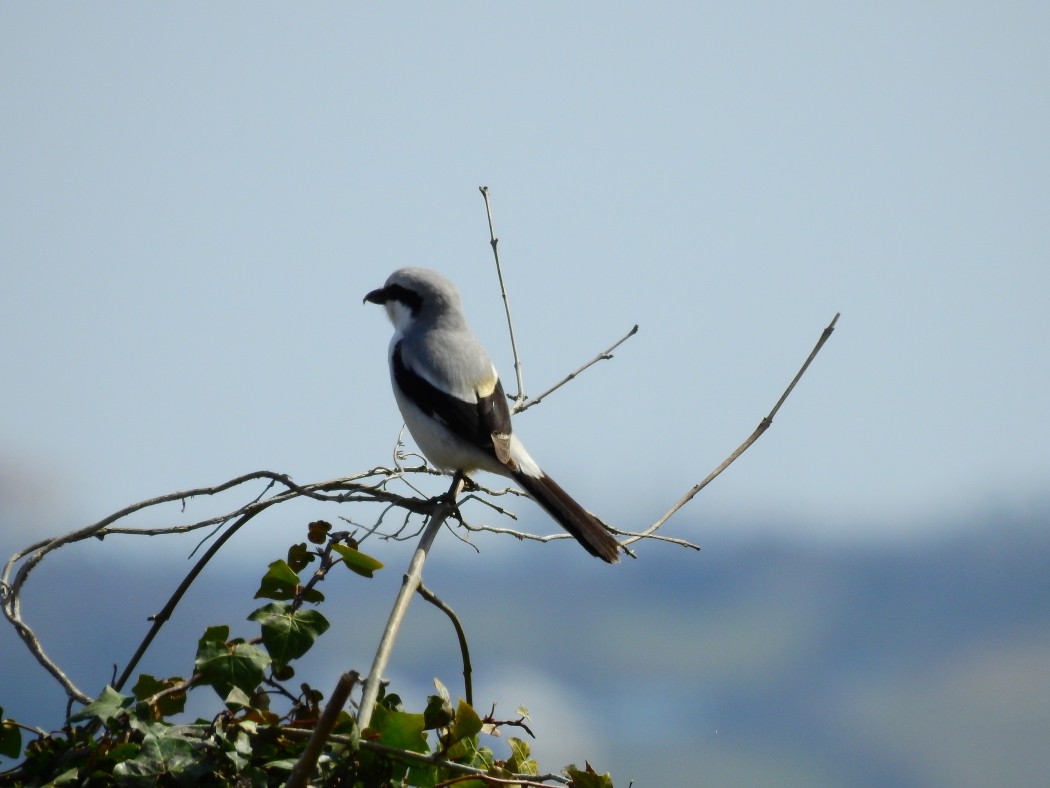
{"x": 458, "y": 478}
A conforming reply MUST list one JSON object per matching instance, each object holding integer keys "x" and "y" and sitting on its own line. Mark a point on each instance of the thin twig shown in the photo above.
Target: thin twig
{"x": 347, "y": 489}
{"x": 432, "y": 598}
{"x": 161, "y": 618}
{"x": 304, "y": 767}
{"x": 603, "y": 356}
{"x": 519, "y": 398}
{"x": 762, "y": 427}
{"x": 413, "y": 578}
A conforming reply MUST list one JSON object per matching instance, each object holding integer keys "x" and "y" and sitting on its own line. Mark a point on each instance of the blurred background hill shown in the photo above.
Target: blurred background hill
{"x": 762, "y": 661}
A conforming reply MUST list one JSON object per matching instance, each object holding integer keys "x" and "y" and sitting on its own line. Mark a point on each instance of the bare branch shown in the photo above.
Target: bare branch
{"x": 161, "y": 618}
{"x": 412, "y": 581}
{"x": 363, "y": 487}
{"x": 519, "y": 398}
{"x": 432, "y": 598}
{"x": 762, "y": 427}
{"x": 603, "y": 356}
{"x": 304, "y": 767}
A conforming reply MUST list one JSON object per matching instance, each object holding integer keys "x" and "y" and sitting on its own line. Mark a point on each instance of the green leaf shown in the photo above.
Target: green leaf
{"x": 588, "y": 778}
{"x": 219, "y": 633}
{"x": 225, "y": 666}
{"x": 482, "y": 758}
{"x": 400, "y": 729}
{"x": 284, "y": 764}
{"x": 280, "y": 582}
{"x": 390, "y": 701}
{"x": 146, "y": 686}
{"x": 299, "y": 555}
{"x": 107, "y": 707}
{"x": 520, "y": 762}
{"x": 467, "y": 723}
{"x": 283, "y": 672}
{"x": 170, "y": 756}
{"x": 10, "y": 738}
{"x": 237, "y": 699}
{"x": 460, "y": 742}
{"x": 438, "y": 713}
{"x": 68, "y": 777}
{"x": 286, "y": 633}
{"x": 173, "y": 703}
{"x": 357, "y": 561}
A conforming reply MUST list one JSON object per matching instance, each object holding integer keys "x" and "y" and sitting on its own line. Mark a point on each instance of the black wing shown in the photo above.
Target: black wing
{"x": 475, "y": 422}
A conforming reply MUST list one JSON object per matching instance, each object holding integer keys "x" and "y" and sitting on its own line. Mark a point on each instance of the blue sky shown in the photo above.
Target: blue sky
{"x": 197, "y": 197}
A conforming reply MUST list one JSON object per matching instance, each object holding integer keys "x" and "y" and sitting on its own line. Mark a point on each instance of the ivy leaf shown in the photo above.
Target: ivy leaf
{"x": 168, "y": 756}
{"x": 299, "y": 555}
{"x": 225, "y": 666}
{"x": 147, "y": 686}
{"x": 173, "y": 703}
{"x": 357, "y": 561}
{"x": 237, "y": 699}
{"x": 10, "y": 738}
{"x": 400, "y": 729}
{"x": 107, "y": 707}
{"x": 466, "y": 725}
{"x": 68, "y": 777}
{"x": 438, "y": 713}
{"x": 286, "y": 633}
{"x": 520, "y": 762}
{"x": 442, "y": 690}
{"x": 588, "y": 778}
{"x": 279, "y": 582}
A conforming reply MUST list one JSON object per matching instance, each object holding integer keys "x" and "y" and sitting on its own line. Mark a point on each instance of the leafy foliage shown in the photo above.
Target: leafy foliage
{"x": 261, "y": 729}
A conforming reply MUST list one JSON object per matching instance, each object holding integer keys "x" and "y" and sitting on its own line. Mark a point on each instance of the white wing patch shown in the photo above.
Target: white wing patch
{"x": 501, "y": 444}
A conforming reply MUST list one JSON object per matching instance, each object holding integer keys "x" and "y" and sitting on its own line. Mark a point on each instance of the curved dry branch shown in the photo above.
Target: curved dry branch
{"x": 762, "y": 427}
{"x": 461, "y": 635}
{"x": 364, "y": 487}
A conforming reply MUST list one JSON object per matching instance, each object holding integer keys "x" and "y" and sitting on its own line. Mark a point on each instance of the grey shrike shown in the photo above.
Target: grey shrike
{"x": 453, "y": 402}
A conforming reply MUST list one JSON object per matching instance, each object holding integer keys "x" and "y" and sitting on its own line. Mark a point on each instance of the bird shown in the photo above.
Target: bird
{"x": 453, "y": 402}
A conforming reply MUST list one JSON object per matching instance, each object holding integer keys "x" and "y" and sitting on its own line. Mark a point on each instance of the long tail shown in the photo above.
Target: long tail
{"x": 570, "y": 516}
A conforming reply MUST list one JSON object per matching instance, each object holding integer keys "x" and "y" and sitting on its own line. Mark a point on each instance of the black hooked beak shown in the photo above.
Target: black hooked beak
{"x": 380, "y": 296}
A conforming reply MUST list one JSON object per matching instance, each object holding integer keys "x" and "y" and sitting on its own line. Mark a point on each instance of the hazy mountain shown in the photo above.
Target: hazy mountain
{"x": 757, "y": 662}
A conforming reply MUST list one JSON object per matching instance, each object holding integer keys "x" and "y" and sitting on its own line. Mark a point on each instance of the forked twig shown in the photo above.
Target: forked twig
{"x": 605, "y": 355}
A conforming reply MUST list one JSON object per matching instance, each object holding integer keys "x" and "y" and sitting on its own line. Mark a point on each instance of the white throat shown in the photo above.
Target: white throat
{"x": 400, "y": 315}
